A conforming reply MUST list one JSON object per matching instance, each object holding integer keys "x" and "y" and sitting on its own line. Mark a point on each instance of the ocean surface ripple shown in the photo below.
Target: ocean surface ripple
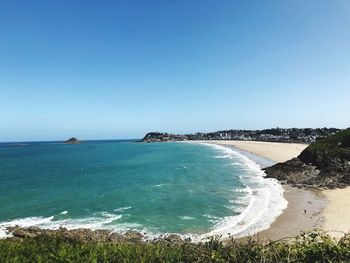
{"x": 195, "y": 190}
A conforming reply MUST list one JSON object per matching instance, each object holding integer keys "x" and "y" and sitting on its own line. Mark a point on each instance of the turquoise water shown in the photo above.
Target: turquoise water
{"x": 119, "y": 185}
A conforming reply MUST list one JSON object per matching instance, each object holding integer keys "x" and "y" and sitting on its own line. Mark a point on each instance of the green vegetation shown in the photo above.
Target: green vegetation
{"x": 325, "y": 149}
{"x": 311, "y": 247}
{"x": 324, "y": 163}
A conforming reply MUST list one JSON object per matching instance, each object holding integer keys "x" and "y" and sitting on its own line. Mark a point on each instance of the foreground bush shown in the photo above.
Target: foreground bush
{"x": 311, "y": 247}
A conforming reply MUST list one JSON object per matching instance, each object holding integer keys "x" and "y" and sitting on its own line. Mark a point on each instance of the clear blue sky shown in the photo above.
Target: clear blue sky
{"x": 118, "y": 69}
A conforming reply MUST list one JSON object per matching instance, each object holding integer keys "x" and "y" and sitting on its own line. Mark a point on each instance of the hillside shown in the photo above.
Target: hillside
{"x": 324, "y": 163}
{"x": 310, "y": 247}
{"x": 293, "y": 135}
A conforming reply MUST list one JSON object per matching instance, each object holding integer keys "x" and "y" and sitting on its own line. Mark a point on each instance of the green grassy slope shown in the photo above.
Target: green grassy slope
{"x": 312, "y": 247}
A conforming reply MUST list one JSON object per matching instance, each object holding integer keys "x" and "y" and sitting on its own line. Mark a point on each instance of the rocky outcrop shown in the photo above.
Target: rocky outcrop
{"x": 293, "y": 172}
{"x": 88, "y": 235}
{"x": 173, "y": 238}
{"x": 325, "y": 163}
{"x": 162, "y": 137}
{"x": 72, "y": 140}
{"x": 80, "y": 234}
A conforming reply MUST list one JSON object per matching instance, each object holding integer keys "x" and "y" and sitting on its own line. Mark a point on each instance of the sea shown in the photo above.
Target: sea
{"x": 196, "y": 190}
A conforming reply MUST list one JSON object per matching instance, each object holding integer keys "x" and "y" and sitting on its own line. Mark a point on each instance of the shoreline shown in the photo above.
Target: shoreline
{"x": 305, "y": 209}
{"x": 330, "y": 207}
{"x": 304, "y": 213}
{"x": 274, "y": 151}
{"x": 266, "y": 199}
{"x": 269, "y": 209}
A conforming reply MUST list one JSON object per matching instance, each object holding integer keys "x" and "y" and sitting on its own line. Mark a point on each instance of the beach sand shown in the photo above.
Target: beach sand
{"x": 326, "y": 209}
{"x": 337, "y": 211}
{"x": 304, "y": 213}
{"x": 275, "y": 151}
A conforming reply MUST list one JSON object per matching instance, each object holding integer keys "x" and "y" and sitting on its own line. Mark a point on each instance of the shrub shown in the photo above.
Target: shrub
{"x": 315, "y": 246}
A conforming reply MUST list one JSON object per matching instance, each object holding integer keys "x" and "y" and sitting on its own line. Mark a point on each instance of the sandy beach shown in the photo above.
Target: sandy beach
{"x": 275, "y": 151}
{"x": 326, "y": 209}
{"x": 304, "y": 213}
{"x": 337, "y": 211}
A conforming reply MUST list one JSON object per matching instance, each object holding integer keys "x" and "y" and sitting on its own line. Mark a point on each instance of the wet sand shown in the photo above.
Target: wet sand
{"x": 304, "y": 213}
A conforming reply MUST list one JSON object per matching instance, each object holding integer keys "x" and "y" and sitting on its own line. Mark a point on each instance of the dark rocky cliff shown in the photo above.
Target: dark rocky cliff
{"x": 324, "y": 163}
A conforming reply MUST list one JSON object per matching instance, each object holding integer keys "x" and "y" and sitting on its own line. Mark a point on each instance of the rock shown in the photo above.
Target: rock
{"x": 87, "y": 235}
{"x": 293, "y": 172}
{"x": 72, "y": 140}
{"x": 173, "y": 238}
{"x": 132, "y": 236}
{"x": 24, "y": 233}
{"x": 114, "y": 237}
{"x": 324, "y": 163}
{"x": 34, "y": 229}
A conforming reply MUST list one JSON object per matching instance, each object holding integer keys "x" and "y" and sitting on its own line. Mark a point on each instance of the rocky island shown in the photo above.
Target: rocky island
{"x": 72, "y": 140}
{"x": 323, "y": 164}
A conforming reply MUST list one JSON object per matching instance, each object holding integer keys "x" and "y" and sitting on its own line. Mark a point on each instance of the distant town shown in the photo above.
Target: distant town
{"x": 292, "y": 135}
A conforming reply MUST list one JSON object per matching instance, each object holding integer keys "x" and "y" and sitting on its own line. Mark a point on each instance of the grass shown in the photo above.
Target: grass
{"x": 311, "y": 247}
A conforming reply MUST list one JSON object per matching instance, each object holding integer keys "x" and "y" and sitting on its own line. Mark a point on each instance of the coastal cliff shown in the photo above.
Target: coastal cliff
{"x": 324, "y": 163}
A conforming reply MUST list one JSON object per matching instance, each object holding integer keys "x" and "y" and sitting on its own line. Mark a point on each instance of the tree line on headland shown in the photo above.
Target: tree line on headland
{"x": 293, "y": 135}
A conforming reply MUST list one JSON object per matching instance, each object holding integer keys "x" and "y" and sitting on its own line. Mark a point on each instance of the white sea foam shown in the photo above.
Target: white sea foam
{"x": 247, "y": 189}
{"x": 64, "y": 213}
{"x": 186, "y": 217}
{"x": 3, "y": 233}
{"x": 28, "y": 221}
{"x": 160, "y": 185}
{"x": 221, "y": 156}
{"x": 23, "y": 222}
{"x": 100, "y": 220}
{"x": 236, "y": 164}
{"x": 212, "y": 219}
{"x": 266, "y": 200}
{"x": 122, "y": 209}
